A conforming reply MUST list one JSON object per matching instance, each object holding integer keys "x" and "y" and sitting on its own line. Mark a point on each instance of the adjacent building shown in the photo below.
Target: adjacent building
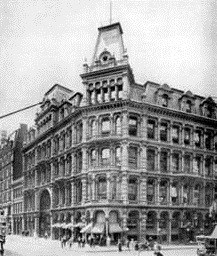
{"x": 124, "y": 159}
{"x": 11, "y": 175}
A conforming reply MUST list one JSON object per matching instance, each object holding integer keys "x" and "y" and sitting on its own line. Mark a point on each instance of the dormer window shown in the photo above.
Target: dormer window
{"x": 165, "y": 100}
{"x": 188, "y": 106}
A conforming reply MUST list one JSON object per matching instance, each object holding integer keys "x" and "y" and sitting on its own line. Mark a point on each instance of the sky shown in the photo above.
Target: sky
{"x": 44, "y": 42}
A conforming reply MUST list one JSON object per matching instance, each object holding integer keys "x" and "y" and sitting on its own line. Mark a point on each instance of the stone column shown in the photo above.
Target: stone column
{"x": 84, "y": 189}
{"x": 125, "y": 124}
{"x": 85, "y": 129}
{"x": 143, "y": 158}
{"x": 93, "y": 188}
{"x": 37, "y": 224}
{"x": 143, "y": 192}
{"x": 108, "y": 176}
{"x": 72, "y": 193}
{"x": 124, "y": 156}
{"x": 169, "y": 232}
{"x": 124, "y": 188}
{"x": 157, "y": 191}
{"x": 157, "y": 156}
{"x": 143, "y": 226}
{"x": 84, "y": 160}
{"x": 144, "y": 127}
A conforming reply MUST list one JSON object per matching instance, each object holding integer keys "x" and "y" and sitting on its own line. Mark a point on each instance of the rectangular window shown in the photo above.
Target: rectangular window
{"x": 163, "y": 161}
{"x": 105, "y": 156}
{"x": 208, "y": 170}
{"x": 187, "y": 136}
{"x": 150, "y": 160}
{"x": 150, "y": 191}
{"x": 197, "y": 165}
{"x": 112, "y": 93}
{"x": 151, "y": 129}
{"x": 132, "y": 190}
{"x": 133, "y": 157}
{"x": 208, "y": 140}
{"x": 133, "y": 126}
{"x": 175, "y": 134}
{"x": 163, "y": 132}
{"x": 105, "y": 127}
{"x": 98, "y": 96}
{"x": 105, "y": 95}
{"x": 93, "y": 157}
{"x": 120, "y": 91}
{"x": 187, "y": 163}
{"x": 175, "y": 162}
{"x": 197, "y": 138}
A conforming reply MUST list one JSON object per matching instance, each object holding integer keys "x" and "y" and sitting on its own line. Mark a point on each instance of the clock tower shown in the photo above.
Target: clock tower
{"x": 108, "y": 77}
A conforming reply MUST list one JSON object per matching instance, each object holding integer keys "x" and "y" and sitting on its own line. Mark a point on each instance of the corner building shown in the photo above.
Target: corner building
{"x": 125, "y": 158}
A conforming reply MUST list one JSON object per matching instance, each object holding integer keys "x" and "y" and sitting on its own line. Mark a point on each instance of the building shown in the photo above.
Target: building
{"x": 124, "y": 159}
{"x": 11, "y": 176}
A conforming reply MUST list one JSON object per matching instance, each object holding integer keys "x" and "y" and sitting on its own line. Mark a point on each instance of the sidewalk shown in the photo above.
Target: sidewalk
{"x": 47, "y": 247}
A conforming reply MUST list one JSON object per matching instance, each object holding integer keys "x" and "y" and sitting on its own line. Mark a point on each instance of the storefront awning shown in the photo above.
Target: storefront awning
{"x": 87, "y": 229}
{"x": 115, "y": 228}
{"x": 98, "y": 228}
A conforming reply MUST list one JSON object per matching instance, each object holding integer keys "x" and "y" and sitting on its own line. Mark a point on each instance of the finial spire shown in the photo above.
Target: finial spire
{"x": 110, "y": 12}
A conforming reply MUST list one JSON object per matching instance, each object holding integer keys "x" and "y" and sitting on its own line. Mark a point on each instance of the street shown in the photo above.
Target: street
{"x": 28, "y": 246}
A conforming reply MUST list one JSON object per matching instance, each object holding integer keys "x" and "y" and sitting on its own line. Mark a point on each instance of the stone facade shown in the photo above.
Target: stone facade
{"x": 134, "y": 160}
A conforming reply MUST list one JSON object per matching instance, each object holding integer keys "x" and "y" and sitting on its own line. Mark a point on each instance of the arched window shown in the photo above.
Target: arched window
{"x": 105, "y": 156}
{"x": 118, "y": 125}
{"x": 105, "y": 126}
{"x": 92, "y": 128}
{"x": 102, "y": 188}
{"x": 93, "y": 157}
{"x": 132, "y": 189}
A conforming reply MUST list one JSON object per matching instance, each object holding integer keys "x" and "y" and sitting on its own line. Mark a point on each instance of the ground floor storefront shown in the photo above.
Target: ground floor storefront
{"x": 166, "y": 224}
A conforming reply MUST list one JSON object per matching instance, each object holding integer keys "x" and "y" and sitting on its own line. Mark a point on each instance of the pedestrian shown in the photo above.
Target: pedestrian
{"x": 157, "y": 249}
{"x": 108, "y": 241}
{"x": 119, "y": 245}
{"x": 132, "y": 244}
{"x": 83, "y": 242}
{"x": 70, "y": 241}
{"x": 62, "y": 241}
{"x": 79, "y": 242}
{"x": 35, "y": 234}
{"x": 128, "y": 244}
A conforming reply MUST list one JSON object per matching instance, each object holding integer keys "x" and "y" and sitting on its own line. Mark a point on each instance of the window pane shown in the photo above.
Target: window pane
{"x": 150, "y": 160}
{"x": 106, "y": 126}
{"x": 133, "y": 126}
{"x": 151, "y": 129}
{"x": 133, "y": 157}
{"x": 163, "y": 161}
{"x": 175, "y": 134}
{"x": 163, "y": 132}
